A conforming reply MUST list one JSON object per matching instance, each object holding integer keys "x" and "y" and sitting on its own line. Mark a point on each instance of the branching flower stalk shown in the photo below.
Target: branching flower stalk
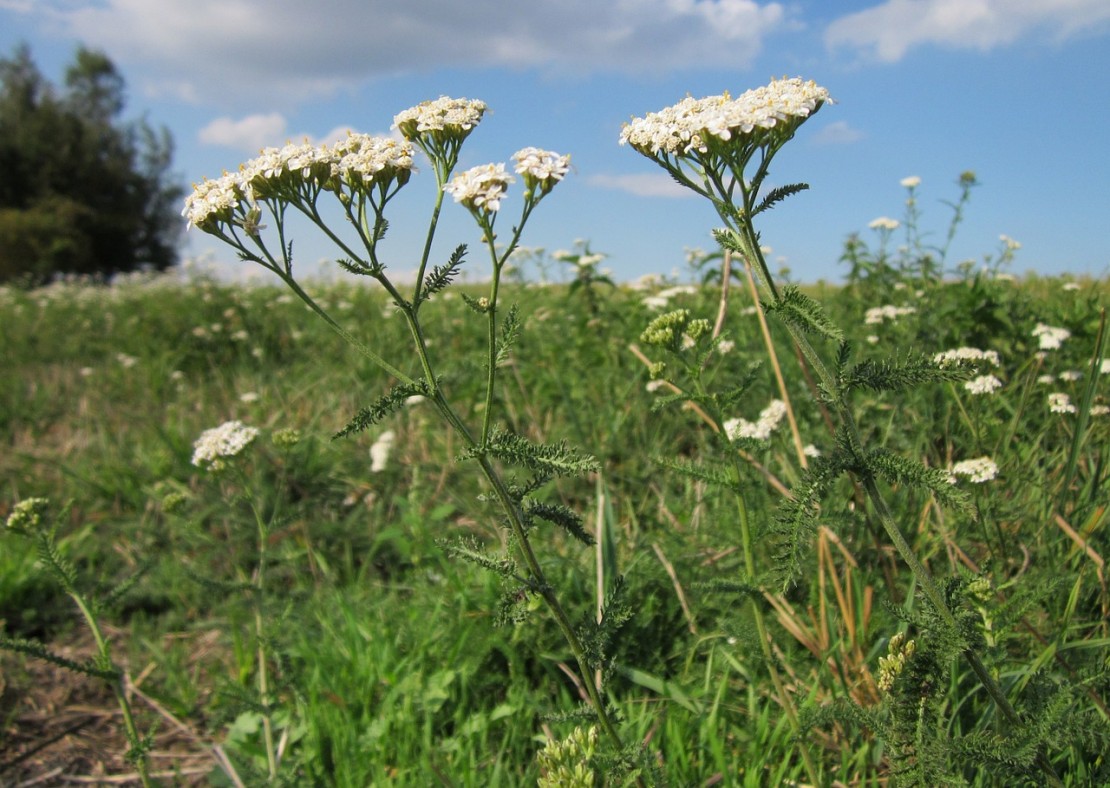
{"x": 363, "y": 174}
{"x": 709, "y": 145}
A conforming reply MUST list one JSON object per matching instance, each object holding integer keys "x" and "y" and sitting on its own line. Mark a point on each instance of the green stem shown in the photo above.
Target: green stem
{"x": 260, "y": 635}
{"x": 118, "y": 689}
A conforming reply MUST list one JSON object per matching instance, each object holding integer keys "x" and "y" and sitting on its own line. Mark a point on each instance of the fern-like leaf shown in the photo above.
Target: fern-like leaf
{"x": 894, "y": 374}
{"x": 896, "y": 469}
{"x": 510, "y": 333}
{"x": 35, "y": 649}
{"x": 703, "y": 472}
{"x": 443, "y": 275}
{"x": 562, "y": 516}
{"x": 777, "y": 195}
{"x": 556, "y": 459}
{"x": 384, "y": 406}
{"x": 799, "y": 310}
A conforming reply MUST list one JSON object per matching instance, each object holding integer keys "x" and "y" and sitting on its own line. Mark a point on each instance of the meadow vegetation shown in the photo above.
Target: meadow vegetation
{"x": 585, "y": 534}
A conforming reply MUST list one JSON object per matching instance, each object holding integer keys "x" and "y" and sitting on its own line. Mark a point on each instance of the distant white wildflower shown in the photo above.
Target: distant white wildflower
{"x": 1071, "y": 286}
{"x": 911, "y": 182}
{"x": 884, "y": 223}
{"x": 769, "y": 419}
{"x": 379, "y": 452}
{"x": 86, "y": 371}
{"x": 1104, "y": 367}
{"x": 949, "y": 357}
{"x": 126, "y": 361}
{"x": 480, "y": 188}
{"x": 1070, "y": 375}
{"x": 878, "y": 314}
{"x": 810, "y": 450}
{"x": 1046, "y": 380}
{"x": 1050, "y": 337}
{"x": 872, "y": 339}
{"x": 219, "y": 443}
{"x": 979, "y": 470}
{"x": 1100, "y": 410}
{"x": 1059, "y": 402}
{"x": 725, "y": 346}
{"x": 249, "y": 397}
{"x": 1010, "y": 244}
{"x": 654, "y": 385}
{"x": 984, "y": 384}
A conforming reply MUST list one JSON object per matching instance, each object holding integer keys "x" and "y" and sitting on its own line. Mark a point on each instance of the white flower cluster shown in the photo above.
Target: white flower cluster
{"x": 911, "y": 181}
{"x": 1059, "y": 402}
{"x": 481, "y": 187}
{"x": 379, "y": 452}
{"x": 984, "y": 384}
{"x": 540, "y": 167}
{"x": 769, "y": 420}
{"x": 1050, "y": 337}
{"x": 979, "y": 470}
{"x": 971, "y": 354}
{"x": 444, "y": 114}
{"x": 359, "y": 161}
{"x": 692, "y": 123}
{"x": 221, "y": 442}
{"x": 661, "y": 299}
{"x": 878, "y": 314}
{"x": 884, "y": 223}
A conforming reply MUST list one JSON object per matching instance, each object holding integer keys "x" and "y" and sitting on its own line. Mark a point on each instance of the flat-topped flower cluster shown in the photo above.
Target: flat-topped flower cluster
{"x": 356, "y": 164}
{"x": 447, "y": 115}
{"x": 694, "y": 124}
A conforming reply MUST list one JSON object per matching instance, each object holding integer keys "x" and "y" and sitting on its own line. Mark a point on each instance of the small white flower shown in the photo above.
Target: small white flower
{"x": 769, "y": 419}
{"x": 1046, "y": 380}
{"x": 451, "y": 115}
{"x": 126, "y": 361}
{"x": 654, "y": 385}
{"x": 979, "y": 470}
{"x": 1059, "y": 402}
{"x": 810, "y": 450}
{"x": 249, "y": 396}
{"x": 1104, "y": 367}
{"x": 1071, "y": 286}
{"x": 1070, "y": 375}
{"x": 984, "y": 384}
{"x": 725, "y": 346}
{"x": 540, "y": 167}
{"x": 379, "y": 452}
{"x": 948, "y": 357}
{"x": 911, "y": 182}
{"x": 878, "y": 314}
{"x": 1099, "y": 410}
{"x": 221, "y": 442}
{"x": 1050, "y": 337}
{"x": 480, "y": 188}
{"x": 884, "y": 223}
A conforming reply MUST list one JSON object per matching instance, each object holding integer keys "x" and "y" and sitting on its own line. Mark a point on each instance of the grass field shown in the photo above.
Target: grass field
{"x": 383, "y": 660}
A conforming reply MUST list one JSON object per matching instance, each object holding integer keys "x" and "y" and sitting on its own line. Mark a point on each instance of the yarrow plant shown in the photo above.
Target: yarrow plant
{"x": 248, "y": 209}
{"x": 722, "y": 148}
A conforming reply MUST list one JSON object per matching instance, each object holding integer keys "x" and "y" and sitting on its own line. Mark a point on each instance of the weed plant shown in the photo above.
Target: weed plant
{"x": 305, "y": 610}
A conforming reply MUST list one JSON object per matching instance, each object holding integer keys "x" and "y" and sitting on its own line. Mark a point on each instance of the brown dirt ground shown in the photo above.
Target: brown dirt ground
{"x": 58, "y": 727}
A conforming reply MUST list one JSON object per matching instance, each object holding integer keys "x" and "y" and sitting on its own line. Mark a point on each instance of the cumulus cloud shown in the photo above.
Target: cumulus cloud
{"x": 286, "y": 47}
{"x": 251, "y": 133}
{"x": 837, "y": 133}
{"x": 642, "y": 185}
{"x": 887, "y": 31}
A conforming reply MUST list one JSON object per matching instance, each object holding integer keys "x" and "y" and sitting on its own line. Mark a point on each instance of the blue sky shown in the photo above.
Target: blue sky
{"x": 1016, "y": 90}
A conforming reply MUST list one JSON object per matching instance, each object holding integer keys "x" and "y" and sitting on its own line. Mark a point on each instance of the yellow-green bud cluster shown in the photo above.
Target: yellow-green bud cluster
{"x": 27, "y": 516}
{"x": 565, "y": 764}
{"x": 899, "y": 652}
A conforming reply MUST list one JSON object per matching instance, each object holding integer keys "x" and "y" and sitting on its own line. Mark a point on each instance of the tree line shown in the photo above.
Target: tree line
{"x": 82, "y": 190}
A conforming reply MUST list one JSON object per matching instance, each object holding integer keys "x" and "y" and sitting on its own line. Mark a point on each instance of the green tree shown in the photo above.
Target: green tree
{"x": 81, "y": 190}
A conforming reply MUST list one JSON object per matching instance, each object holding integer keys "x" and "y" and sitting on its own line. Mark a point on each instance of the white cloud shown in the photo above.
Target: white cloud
{"x": 271, "y": 49}
{"x": 837, "y": 133}
{"x": 654, "y": 184}
{"x": 887, "y": 31}
{"x": 251, "y": 133}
